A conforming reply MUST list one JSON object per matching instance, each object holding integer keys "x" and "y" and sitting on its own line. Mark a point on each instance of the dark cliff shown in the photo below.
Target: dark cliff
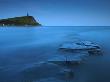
{"x": 19, "y": 21}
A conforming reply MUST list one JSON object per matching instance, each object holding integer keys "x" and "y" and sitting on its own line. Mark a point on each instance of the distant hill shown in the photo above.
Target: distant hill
{"x": 19, "y": 21}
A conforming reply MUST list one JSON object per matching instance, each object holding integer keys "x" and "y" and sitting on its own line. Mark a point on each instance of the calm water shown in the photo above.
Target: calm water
{"x": 21, "y": 50}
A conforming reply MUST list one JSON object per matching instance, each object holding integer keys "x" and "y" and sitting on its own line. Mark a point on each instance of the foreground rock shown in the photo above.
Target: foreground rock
{"x": 81, "y": 46}
{"x": 68, "y": 60}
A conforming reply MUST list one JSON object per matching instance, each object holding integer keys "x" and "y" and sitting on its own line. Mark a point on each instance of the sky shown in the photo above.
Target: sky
{"x": 60, "y": 12}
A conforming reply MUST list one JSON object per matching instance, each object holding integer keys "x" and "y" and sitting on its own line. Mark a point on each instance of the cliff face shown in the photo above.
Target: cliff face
{"x": 19, "y": 21}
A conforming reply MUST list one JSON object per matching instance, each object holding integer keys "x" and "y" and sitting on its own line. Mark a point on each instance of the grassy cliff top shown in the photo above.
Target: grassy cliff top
{"x": 20, "y": 21}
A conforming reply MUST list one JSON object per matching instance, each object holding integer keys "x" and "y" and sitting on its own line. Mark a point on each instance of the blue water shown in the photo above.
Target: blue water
{"x": 22, "y": 48}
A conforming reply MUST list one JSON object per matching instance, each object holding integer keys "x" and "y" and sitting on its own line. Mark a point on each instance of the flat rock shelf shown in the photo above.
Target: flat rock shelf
{"x": 82, "y": 46}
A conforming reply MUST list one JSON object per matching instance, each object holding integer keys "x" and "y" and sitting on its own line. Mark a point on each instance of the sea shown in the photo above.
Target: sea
{"x": 25, "y": 51}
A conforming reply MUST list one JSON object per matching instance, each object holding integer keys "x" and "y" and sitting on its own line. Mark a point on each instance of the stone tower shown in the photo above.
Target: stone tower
{"x": 27, "y": 14}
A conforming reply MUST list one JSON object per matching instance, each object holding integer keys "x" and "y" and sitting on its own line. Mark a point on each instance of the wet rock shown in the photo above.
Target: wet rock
{"x": 82, "y": 46}
{"x": 68, "y": 61}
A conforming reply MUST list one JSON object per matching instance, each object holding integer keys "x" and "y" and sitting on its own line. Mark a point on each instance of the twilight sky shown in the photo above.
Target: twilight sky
{"x": 60, "y": 12}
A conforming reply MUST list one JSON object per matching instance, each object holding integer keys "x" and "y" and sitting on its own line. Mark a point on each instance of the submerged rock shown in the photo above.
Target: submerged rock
{"x": 87, "y": 46}
{"x": 67, "y": 75}
{"x": 67, "y": 61}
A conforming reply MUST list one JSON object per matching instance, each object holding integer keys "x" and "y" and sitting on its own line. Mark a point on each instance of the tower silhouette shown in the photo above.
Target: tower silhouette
{"x": 27, "y": 14}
